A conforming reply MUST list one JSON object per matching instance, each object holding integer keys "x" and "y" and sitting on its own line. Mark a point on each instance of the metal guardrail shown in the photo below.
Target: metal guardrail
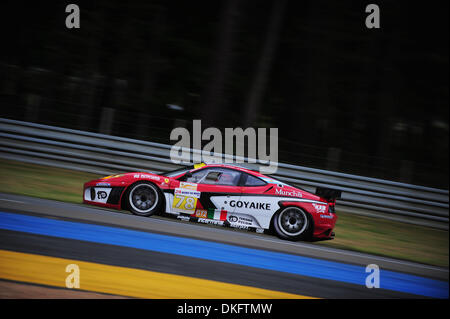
{"x": 105, "y": 154}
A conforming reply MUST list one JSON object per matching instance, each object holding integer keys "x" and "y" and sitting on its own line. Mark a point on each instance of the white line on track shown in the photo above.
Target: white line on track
{"x": 10, "y": 200}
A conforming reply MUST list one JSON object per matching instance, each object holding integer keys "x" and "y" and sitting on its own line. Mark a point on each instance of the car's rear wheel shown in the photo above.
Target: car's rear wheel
{"x": 292, "y": 223}
{"x": 144, "y": 199}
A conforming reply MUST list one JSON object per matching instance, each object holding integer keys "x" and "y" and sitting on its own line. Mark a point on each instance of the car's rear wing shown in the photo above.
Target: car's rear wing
{"x": 329, "y": 194}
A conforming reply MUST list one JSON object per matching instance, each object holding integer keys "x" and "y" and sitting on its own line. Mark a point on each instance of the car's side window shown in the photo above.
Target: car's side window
{"x": 215, "y": 176}
{"x": 197, "y": 176}
{"x": 254, "y": 181}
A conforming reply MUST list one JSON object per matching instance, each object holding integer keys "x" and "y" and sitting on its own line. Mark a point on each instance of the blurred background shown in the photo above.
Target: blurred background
{"x": 371, "y": 102}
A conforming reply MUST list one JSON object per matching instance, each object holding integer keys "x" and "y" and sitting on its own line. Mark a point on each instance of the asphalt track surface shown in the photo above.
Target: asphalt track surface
{"x": 198, "y": 257}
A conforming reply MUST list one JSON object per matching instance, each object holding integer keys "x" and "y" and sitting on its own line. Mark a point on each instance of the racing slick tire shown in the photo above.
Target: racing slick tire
{"x": 144, "y": 199}
{"x": 292, "y": 223}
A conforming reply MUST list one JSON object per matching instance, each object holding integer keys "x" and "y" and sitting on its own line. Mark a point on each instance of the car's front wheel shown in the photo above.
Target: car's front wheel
{"x": 292, "y": 223}
{"x": 144, "y": 199}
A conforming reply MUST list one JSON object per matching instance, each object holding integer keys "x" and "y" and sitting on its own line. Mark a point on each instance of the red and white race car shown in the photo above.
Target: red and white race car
{"x": 223, "y": 195}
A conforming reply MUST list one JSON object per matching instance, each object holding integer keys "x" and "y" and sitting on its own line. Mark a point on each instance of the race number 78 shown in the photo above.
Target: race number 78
{"x": 184, "y": 202}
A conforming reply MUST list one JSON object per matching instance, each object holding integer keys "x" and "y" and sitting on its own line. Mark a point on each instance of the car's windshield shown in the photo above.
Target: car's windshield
{"x": 178, "y": 171}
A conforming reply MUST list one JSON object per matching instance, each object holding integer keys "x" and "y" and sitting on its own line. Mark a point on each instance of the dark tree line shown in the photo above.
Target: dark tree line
{"x": 371, "y": 102}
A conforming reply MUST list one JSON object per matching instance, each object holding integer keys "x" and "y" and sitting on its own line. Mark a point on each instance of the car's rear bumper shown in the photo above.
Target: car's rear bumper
{"x": 325, "y": 229}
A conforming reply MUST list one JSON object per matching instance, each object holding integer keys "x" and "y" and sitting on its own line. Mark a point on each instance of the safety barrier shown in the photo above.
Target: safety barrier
{"x": 105, "y": 154}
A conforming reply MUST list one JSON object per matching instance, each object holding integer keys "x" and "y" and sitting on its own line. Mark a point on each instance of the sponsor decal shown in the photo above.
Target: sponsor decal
{"x": 187, "y": 192}
{"x": 319, "y": 208}
{"x": 97, "y": 194}
{"x": 103, "y": 184}
{"x": 326, "y": 216}
{"x": 240, "y": 226}
{"x": 182, "y": 217}
{"x": 210, "y": 221}
{"x": 200, "y": 213}
{"x": 147, "y": 176}
{"x": 240, "y": 220}
{"x": 288, "y": 193}
{"x": 187, "y": 185}
{"x": 250, "y": 205}
{"x": 101, "y": 195}
{"x": 244, "y": 220}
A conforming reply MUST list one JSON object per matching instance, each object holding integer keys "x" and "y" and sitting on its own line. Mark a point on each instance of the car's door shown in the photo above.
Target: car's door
{"x": 256, "y": 205}
{"x": 206, "y": 193}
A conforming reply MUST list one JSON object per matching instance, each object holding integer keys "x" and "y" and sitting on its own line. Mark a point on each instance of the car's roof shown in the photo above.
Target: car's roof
{"x": 239, "y": 168}
{"x": 267, "y": 179}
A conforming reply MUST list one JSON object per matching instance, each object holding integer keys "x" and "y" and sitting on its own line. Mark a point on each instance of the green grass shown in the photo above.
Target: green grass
{"x": 353, "y": 232}
{"x": 42, "y": 181}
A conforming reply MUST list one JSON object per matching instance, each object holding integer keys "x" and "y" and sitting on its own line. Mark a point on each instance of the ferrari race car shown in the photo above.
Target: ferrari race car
{"x": 222, "y": 195}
